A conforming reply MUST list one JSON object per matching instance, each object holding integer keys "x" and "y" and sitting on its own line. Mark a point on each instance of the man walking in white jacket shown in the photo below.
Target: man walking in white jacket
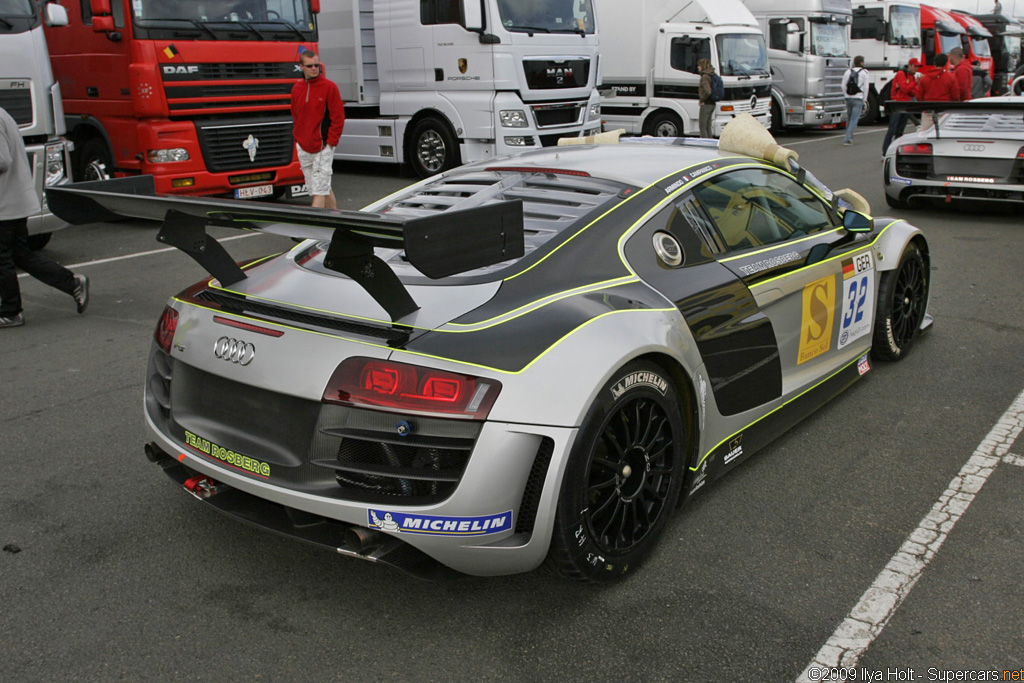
{"x": 855, "y": 87}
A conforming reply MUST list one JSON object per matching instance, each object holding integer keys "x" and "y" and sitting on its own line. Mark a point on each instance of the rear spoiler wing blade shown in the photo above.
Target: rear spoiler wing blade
{"x": 438, "y": 246}
{"x": 991, "y": 105}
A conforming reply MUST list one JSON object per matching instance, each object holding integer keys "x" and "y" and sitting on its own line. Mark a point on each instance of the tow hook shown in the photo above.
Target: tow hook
{"x": 201, "y": 486}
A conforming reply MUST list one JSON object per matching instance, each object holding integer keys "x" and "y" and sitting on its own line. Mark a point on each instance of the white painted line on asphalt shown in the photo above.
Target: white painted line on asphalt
{"x": 834, "y": 137}
{"x": 879, "y": 602}
{"x": 1012, "y": 459}
{"x": 101, "y": 261}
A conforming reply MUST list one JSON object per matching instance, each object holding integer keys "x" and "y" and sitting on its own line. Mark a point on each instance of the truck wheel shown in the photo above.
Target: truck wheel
{"x": 623, "y": 477}
{"x": 777, "y": 123}
{"x": 432, "y": 148}
{"x": 664, "y": 124}
{"x": 37, "y": 242}
{"x": 92, "y": 161}
{"x": 869, "y": 113}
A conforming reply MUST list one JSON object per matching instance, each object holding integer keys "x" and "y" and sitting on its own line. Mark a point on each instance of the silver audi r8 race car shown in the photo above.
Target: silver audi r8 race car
{"x": 974, "y": 152}
{"x": 522, "y": 360}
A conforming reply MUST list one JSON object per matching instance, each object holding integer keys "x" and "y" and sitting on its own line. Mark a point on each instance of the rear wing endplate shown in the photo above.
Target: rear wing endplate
{"x": 451, "y": 242}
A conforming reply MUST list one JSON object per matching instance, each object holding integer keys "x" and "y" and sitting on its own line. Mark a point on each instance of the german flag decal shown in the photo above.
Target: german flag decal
{"x": 848, "y": 269}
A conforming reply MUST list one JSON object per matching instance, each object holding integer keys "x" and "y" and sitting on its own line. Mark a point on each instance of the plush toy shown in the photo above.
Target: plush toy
{"x": 744, "y": 135}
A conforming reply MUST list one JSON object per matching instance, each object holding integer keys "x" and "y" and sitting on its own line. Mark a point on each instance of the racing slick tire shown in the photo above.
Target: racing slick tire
{"x": 623, "y": 477}
{"x": 902, "y": 298}
{"x": 432, "y": 148}
{"x": 664, "y": 124}
{"x": 895, "y": 203}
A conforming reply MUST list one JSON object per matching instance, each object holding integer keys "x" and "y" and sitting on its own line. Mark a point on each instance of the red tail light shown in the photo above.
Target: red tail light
{"x": 1020, "y": 153}
{"x": 166, "y": 328}
{"x": 916, "y": 148}
{"x": 402, "y": 387}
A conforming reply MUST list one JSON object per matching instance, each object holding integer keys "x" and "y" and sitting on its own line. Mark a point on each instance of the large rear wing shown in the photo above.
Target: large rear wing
{"x": 988, "y": 105}
{"x": 454, "y": 241}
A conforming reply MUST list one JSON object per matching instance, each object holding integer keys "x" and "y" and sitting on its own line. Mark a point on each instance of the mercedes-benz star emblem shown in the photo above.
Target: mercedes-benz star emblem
{"x": 753, "y": 102}
{"x": 234, "y": 350}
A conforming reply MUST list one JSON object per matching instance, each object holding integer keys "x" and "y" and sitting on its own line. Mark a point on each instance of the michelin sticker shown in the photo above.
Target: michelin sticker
{"x": 858, "y": 298}
{"x": 647, "y": 379}
{"x": 901, "y": 181}
{"x": 436, "y": 525}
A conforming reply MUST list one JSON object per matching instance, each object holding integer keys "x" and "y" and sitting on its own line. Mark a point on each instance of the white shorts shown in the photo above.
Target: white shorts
{"x": 317, "y": 169}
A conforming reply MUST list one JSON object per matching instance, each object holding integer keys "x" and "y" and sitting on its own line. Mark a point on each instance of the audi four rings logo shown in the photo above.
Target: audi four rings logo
{"x": 974, "y": 148}
{"x": 235, "y": 351}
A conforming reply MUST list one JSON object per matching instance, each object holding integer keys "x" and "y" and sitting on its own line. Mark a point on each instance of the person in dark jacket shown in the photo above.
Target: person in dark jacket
{"x": 18, "y": 201}
{"x": 904, "y": 89}
{"x": 318, "y": 115}
{"x": 707, "y": 103}
{"x": 962, "y": 71}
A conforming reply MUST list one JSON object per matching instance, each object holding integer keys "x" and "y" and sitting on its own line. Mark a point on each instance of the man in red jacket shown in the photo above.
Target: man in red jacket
{"x": 963, "y": 72}
{"x": 904, "y": 89}
{"x": 938, "y": 85}
{"x": 318, "y": 115}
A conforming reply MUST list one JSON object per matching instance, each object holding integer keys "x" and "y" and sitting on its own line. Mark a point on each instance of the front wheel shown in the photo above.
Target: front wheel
{"x": 664, "y": 124}
{"x": 869, "y": 112}
{"x": 92, "y": 161}
{"x": 623, "y": 477}
{"x": 902, "y": 300}
{"x": 433, "y": 148}
{"x": 777, "y": 123}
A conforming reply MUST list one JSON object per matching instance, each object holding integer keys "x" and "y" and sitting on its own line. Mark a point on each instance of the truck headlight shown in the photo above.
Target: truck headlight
{"x": 54, "y": 164}
{"x": 595, "y": 111}
{"x": 513, "y": 118}
{"x": 163, "y": 156}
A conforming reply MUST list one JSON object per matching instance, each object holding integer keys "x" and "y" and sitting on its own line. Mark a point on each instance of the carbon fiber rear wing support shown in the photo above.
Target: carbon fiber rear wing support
{"x": 438, "y": 246}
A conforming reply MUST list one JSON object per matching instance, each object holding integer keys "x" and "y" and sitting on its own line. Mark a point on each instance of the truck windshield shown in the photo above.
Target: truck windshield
{"x": 1012, "y": 44}
{"x": 547, "y": 16}
{"x": 904, "y": 25}
{"x": 947, "y": 41}
{"x": 212, "y": 18}
{"x": 15, "y": 8}
{"x": 980, "y": 47}
{"x": 828, "y": 39}
{"x": 742, "y": 54}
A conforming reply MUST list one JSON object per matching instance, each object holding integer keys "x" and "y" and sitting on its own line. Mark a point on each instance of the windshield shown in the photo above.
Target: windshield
{"x": 256, "y": 16}
{"x": 980, "y": 47}
{"x": 829, "y": 39}
{"x": 904, "y": 25}
{"x": 547, "y": 16}
{"x": 1012, "y": 44}
{"x": 16, "y": 8}
{"x": 742, "y": 54}
{"x": 947, "y": 41}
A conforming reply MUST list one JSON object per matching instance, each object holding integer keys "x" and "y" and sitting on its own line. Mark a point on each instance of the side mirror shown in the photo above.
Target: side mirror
{"x": 473, "y": 15}
{"x": 100, "y": 7}
{"x": 101, "y": 24}
{"x": 855, "y": 221}
{"x": 314, "y": 6}
{"x": 793, "y": 42}
{"x": 56, "y": 15}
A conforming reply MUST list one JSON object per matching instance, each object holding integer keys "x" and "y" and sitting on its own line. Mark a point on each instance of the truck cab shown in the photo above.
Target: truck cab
{"x": 29, "y": 93}
{"x": 809, "y": 50}
{"x": 650, "y": 70}
{"x": 975, "y": 44}
{"x": 940, "y": 33}
{"x": 1005, "y": 45}
{"x": 888, "y": 34}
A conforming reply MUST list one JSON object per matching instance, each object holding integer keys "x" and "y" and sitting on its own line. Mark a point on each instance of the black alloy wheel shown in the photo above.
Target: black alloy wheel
{"x": 902, "y": 300}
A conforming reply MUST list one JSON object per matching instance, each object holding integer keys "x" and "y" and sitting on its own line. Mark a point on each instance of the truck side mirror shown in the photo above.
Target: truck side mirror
{"x": 102, "y": 24}
{"x": 314, "y": 6}
{"x": 793, "y": 43}
{"x": 100, "y": 8}
{"x": 473, "y": 15}
{"x": 56, "y": 15}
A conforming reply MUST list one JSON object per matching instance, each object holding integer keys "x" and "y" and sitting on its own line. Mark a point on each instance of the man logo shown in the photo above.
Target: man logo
{"x": 234, "y": 351}
{"x": 463, "y": 65}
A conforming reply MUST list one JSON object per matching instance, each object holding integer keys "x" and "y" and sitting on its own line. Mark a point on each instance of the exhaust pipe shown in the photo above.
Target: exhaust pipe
{"x": 362, "y": 540}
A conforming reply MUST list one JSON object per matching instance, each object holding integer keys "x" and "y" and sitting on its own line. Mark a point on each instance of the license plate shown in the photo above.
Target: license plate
{"x": 254, "y": 191}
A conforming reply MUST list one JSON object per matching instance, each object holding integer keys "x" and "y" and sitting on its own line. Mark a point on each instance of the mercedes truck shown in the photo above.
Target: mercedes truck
{"x": 650, "y": 60}
{"x": 30, "y": 95}
{"x": 434, "y": 83}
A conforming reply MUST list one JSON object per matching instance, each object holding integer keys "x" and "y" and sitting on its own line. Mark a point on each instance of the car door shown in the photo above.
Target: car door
{"x": 805, "y": 272}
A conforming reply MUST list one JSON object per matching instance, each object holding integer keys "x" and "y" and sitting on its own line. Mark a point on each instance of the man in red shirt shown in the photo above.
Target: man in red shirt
{"x": 318, "y": 115}
{"x": 938, "y": 85}
{"x": 904, "y": 89}
{"x": 963, "y": 72}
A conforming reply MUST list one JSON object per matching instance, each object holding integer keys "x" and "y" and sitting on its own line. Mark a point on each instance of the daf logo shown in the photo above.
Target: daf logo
{"x": 974, "y": 148}
{"x": 251, "y": 143}
{"x": 179, "y": 69}
{"x": 235, "y": 351}
{"x": 753, "y": 102}
{"x": 560, "y": 73}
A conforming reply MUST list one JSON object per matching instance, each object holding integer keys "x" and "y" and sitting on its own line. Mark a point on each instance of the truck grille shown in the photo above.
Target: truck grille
{"x": 223, "y": 144}
{"x": 834, "y": 80}
{"x": 18, "y": 104}
{"x": 552, "y": 74}
{"x": 561, "y": 114}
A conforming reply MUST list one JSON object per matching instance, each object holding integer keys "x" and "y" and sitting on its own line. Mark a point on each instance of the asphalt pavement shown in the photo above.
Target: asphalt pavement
{"x": 110, "y": 572}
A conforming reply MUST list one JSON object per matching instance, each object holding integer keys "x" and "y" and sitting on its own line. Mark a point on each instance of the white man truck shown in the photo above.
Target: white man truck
{"x": 809, "y": 50}
{"x": 434, "y": 83}
{"x": 30, "y": 95}
{"x": 650, "y": 57}
{"x": 888, "y": 34}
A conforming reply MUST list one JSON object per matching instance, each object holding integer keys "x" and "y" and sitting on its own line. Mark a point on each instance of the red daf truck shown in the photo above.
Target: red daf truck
{"x": 194, "y": 93}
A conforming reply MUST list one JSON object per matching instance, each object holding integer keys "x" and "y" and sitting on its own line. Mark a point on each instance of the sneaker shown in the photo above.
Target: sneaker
{"x": 81, "y": 293}
{"x": 847, "y": 143}
{"x": 12, "y": 320}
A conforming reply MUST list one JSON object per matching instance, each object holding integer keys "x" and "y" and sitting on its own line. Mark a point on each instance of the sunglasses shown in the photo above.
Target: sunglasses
{"x": 310, "y": 66}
